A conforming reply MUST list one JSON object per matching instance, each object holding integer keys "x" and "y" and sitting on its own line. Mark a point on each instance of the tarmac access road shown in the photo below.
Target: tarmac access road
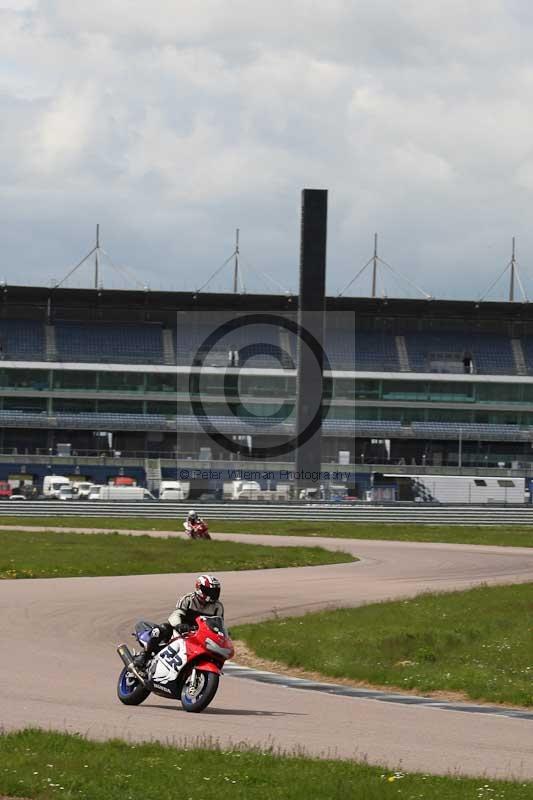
{"x": 60, "y": 667}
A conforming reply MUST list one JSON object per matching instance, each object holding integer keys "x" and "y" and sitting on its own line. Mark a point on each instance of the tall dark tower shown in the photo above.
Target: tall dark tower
{"x": 311, "y": 310}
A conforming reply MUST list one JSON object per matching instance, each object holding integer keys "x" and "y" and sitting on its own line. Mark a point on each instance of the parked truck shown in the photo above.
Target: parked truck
{"x": 475, "y": 489}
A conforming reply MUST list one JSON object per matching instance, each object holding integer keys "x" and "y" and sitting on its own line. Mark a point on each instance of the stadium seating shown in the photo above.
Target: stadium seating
{"x": 260, "y": 346}
{"x": 527, "y": 348}
{"x": 351, "y": 350}
{"x": 109, "y": 343}
{"x": 113, "y": 366}
{"x": 347, "y": 349}
{"x": 257, "y": 425}
{"x": 472, "y": 430}
{"x": 159, "y": 422}
{"x": 22, "y": 340}
{"x": 361, "y": 427}
{"x": 443, "y": 352}
{"x": 189, "y": 423}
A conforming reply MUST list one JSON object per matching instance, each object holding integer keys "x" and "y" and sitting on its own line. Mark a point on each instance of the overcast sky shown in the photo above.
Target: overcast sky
{"x": 173, "y": 123}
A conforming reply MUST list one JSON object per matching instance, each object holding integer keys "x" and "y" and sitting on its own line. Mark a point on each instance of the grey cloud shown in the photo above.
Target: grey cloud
{"x": 172, "y": 124}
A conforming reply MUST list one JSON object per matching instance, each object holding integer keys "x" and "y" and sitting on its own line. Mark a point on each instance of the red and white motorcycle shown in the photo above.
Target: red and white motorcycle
{"x": 188, "y": 668}
{"x": 197, "y": 530}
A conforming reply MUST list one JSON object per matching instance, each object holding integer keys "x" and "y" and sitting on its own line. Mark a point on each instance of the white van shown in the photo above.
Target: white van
{"x": 82, "y": 489}
{"x": 120, "y": 493}
{"x": 52, "y": 484}
{"x": 174, "y": 490}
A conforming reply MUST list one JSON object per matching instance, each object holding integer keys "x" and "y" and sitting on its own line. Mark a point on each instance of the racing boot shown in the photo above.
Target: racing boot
{"x": 141, "y": 660}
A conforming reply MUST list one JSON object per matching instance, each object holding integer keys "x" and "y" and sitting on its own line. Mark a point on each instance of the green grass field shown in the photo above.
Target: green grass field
{"x": 60, "y": 555}
{"x": 40, "y": 765}
{"x": 515, "y": 536}
{"x": 478, "y": 643}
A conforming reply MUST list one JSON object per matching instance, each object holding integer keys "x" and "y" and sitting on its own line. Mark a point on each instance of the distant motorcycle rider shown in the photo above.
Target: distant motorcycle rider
{"x": 203, "y": 600}
{"x": 192, "y": 520}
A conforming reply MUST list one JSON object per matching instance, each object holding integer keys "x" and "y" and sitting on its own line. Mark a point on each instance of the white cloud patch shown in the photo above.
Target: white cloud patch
{"x": 18, "y": 5}
{"x": 64, "y": 130}
{"x": 173, "y": 123}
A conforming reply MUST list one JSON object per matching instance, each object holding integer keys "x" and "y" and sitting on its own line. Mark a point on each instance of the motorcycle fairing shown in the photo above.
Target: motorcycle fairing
{"x": 143, "y": 631}
{"x": 208, "y": 666}
{"x": 168, "y": 663}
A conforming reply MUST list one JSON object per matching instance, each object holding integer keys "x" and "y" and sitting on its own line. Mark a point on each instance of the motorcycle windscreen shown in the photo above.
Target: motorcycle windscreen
{"x": 217, "y": 625}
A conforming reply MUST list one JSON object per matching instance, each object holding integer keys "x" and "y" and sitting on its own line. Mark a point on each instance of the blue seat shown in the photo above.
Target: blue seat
{"x": 444, "y": 352}
{"x": 22, "y": 340}
{"x": 109, "y": 343}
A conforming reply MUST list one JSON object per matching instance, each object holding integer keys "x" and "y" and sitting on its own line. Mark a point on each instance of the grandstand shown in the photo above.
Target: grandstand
{"x": 106, "y": 375}
{"x": 108, "y": 342}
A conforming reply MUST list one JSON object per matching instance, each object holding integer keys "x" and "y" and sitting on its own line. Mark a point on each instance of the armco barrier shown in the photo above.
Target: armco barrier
{"x": 175, "y": 513}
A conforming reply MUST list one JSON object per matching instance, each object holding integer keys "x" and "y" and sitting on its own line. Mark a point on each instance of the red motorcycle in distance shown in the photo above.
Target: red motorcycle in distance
{"x": 197, "y": 530}
{"x": 187, "y": 669}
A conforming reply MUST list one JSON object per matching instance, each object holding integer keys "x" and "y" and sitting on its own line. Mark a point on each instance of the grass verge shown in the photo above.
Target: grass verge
{"x": 505, "y": 535}
{"x": 477, "y": 643}
{"x": 41, "y": 765}
{"x": 62, "y": 555}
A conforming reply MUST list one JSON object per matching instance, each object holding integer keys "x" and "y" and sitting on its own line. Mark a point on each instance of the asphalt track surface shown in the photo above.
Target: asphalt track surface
{"x": 59, "y": 666}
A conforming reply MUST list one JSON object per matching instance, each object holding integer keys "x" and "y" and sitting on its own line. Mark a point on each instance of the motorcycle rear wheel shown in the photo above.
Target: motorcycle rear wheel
{"x": 129, "y": 690}
{"x": 208, "y": 685}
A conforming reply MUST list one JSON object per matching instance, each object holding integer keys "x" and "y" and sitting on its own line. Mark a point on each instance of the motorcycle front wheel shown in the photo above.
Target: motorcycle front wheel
{"x": 198, "y": 696}
{"x": 129, "y": 690}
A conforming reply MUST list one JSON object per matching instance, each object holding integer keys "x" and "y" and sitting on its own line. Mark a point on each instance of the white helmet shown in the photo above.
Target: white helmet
{"x": 193, "y": 516}
{"x": 207, "y": 589}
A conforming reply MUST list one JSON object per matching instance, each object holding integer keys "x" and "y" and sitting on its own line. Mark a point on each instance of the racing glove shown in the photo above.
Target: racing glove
{"x": 183, "y": 628}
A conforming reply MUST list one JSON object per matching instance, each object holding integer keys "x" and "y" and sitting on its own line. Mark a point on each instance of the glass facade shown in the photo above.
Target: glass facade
{"x": 276, "y": 387}
{"x": 355, "y": 389}
{"x": 267, "y": 386}
{"x": 168, "y": 409}
{"x": 276, "y": 411}
{"x": 33, "y": 404}
{"x": 243, "y": 395}
{"x": 165, "y": 382}
{"x": 121, "y": 381}
{"x": 74, "y": 380}
{"x": 119, "y": 406}
{"x": 34, "y": 379}
{"x": 74, "y": 405}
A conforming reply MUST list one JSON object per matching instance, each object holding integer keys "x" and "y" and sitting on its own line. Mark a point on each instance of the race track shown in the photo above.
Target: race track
{"x": 60, "y": 668}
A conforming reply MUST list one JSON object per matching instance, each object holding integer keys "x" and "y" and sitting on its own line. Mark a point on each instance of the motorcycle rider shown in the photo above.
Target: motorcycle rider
{"x": 203, "y": 600}
{"x": 192, "y": 520}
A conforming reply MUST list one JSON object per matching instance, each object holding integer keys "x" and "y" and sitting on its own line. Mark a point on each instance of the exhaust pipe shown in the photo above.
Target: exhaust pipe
{"x": 126, "y": 656}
